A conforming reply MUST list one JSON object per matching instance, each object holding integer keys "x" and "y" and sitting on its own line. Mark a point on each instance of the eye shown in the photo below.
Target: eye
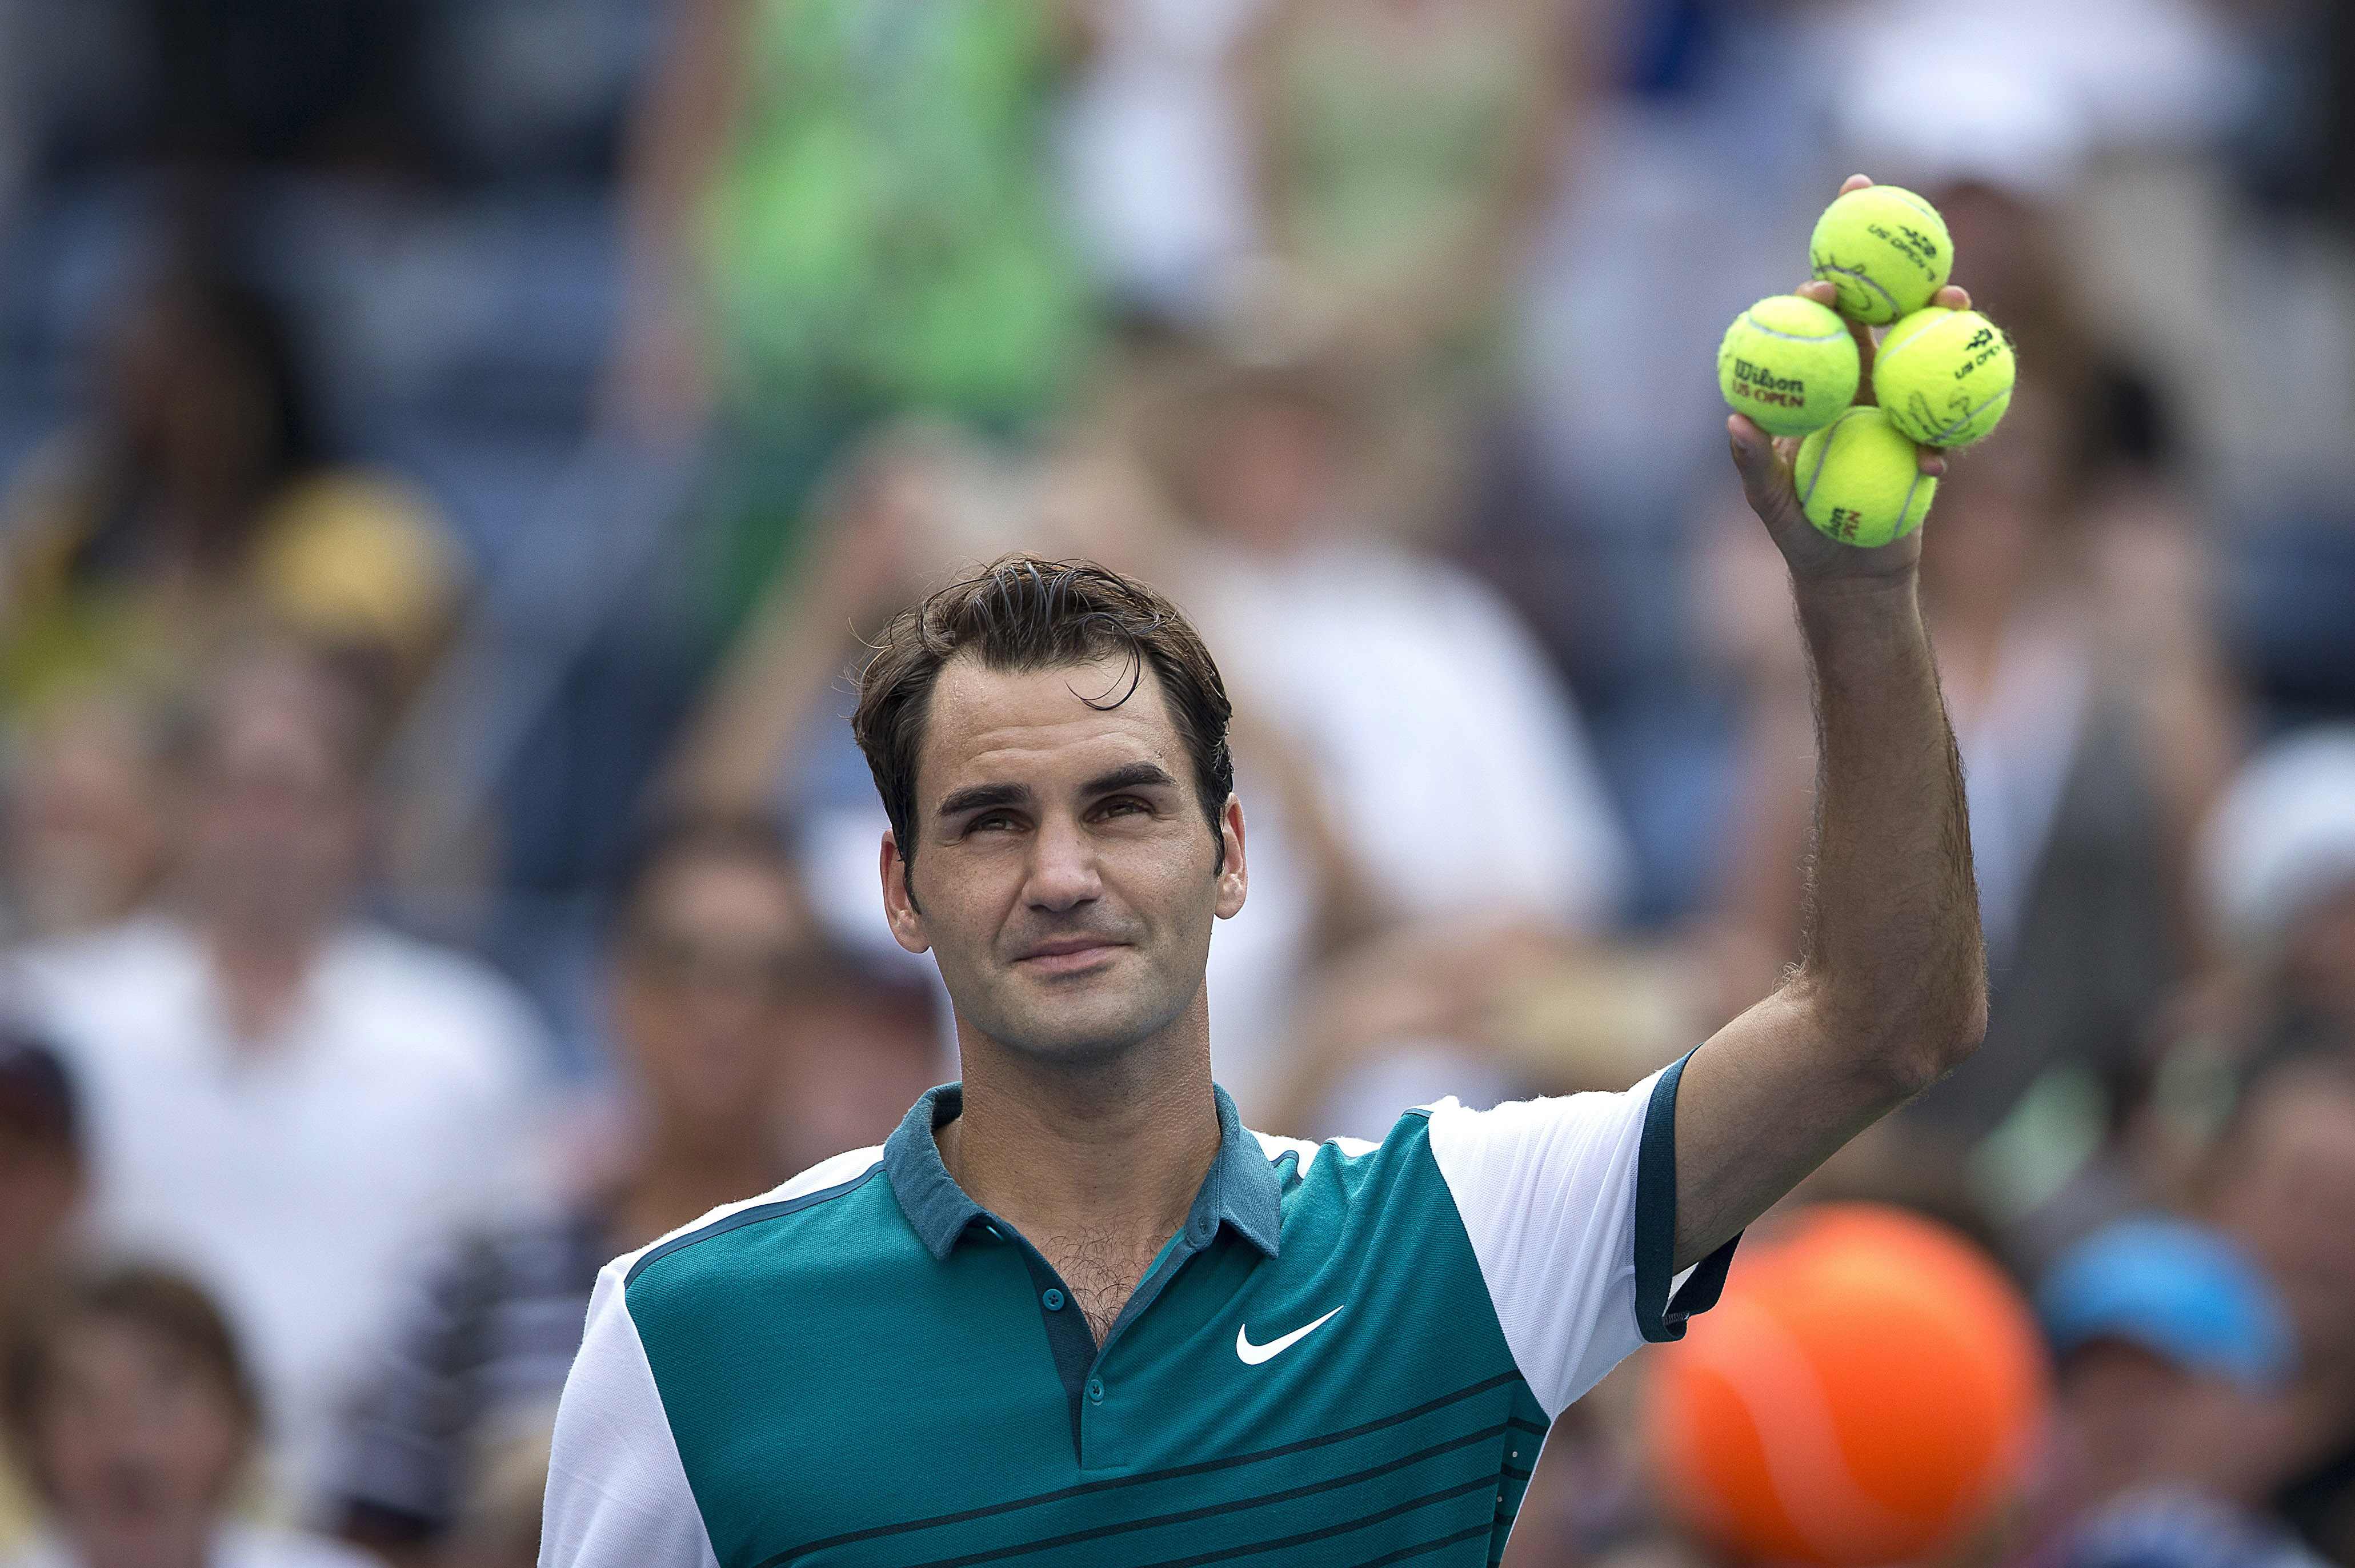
{"x": 990, "y": 821}
{"x": 1124, "y": 806}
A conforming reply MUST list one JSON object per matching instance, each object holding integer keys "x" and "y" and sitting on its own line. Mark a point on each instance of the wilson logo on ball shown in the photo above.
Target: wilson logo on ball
{"x": 1755, "y": 381}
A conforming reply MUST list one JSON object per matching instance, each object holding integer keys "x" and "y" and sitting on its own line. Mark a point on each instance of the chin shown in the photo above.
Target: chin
{"x": 1079, "y": 1030}
{"x": 1063, "y": 1045}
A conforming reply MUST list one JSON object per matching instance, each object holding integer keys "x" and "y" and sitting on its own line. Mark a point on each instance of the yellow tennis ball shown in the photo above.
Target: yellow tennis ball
{"x": 1944, "y": 375}
{"x": 1858, "y": 482}
{"x": 1789, "y": 364}
{"x": 1885, "y": 250}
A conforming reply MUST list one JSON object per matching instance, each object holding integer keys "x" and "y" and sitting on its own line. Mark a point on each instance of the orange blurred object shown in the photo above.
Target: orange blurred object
{"x": 1871, "y": 1388}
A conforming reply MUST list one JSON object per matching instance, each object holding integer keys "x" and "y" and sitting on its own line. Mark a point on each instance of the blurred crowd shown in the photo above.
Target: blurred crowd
{"x": 451, "y": 452}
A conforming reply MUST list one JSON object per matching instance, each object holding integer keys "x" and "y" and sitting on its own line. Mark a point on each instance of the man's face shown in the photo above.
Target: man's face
{"x": 710, "y": 971}
{"x": 1065, "y": 877}
{"x": 278, "y": 822}
{"x": 2290, "y": 1197}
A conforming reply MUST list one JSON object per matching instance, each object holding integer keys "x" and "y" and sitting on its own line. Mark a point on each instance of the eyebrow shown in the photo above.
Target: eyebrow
{"x": 978, "y": 797}
{"x": 1133, "y": 776}
{"x": 985, "y": 797}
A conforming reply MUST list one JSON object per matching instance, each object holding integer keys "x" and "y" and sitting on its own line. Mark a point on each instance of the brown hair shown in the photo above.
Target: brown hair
{"x": 155, "y": 1301}
{"x": 1024, "y": 614}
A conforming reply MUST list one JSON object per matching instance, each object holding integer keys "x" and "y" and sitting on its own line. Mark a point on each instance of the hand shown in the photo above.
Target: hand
{"x": 1765, "y": 466}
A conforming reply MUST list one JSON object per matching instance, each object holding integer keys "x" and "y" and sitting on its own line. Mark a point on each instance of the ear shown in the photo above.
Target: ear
{"x": 1234, "y": 877}
{"x": 900, "y": 909}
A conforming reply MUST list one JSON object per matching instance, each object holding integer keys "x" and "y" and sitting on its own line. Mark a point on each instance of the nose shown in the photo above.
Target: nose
{"x": 1062, "y": 868}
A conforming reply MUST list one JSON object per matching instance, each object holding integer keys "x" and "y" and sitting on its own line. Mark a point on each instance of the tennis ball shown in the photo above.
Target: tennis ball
{"x": 1859, "y": 480}
{"x": 1885, "y": 250}
{"x": 1944, "y": 377}
{"x": 1869, "y": 1390}
{"x": 1789, "y": 364}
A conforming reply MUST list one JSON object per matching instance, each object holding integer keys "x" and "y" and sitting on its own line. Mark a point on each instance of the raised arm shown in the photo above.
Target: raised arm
{"x": 1889, "y": 993}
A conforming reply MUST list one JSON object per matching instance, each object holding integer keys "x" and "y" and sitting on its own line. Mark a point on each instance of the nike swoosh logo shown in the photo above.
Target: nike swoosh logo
{"x": 1252, "y": 1355}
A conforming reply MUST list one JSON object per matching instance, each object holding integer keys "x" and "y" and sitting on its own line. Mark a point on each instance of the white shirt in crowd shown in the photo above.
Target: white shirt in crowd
{"x": 297, "y": 1178}
{"x": 1460, "y": 774}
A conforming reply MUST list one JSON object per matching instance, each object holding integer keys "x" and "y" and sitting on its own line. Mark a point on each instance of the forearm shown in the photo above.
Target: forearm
{"x": 1890, "y": 959}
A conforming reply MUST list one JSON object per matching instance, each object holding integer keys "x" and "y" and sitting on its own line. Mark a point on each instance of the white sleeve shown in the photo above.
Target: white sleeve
{"x": 1570, "y": 1206}
{"x": 617, "y": 1492}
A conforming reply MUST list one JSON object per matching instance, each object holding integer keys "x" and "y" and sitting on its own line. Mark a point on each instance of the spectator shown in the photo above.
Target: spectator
{"x": 2282, "y": 1181}
{"x": 201, "y": 495}
{"x": 745, "y": 1054}
{"x": 1152, "y": 147}
{"x": 2279, "y": 859}
{"x": 2276, "y": 863}
{"x": 839, "y": 214}
{"x": 137, "y": 1416}
{"x": 1430, "y": 713}
{"x": 43, "y": 1183}
{"x": 284, "y": 1098}
{"x": 1404, "y": 150}
{"x": 2171, "y": 1345}
{"x": 43, "y": 1176}
{"x": 81, "y": 825}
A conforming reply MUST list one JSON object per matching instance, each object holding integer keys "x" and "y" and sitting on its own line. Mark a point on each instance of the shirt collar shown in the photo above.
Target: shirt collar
{"x": 1242, "y": 1189}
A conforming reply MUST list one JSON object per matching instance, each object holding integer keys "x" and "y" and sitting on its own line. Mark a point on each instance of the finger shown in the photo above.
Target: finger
{"x": 1855, "y": 182}
{"x": 1952, "y": 297}
{"x": 1822, "y": 293}
{"x": 1865, "y": 348}
{"x": 1756, "y": 460}
{"x": 1932, "y": 461}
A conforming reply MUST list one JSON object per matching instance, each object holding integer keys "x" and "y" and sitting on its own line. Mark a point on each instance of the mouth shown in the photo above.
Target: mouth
{"x": 1068, "y": 957}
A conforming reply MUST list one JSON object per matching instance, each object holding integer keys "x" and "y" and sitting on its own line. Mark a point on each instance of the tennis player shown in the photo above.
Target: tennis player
{"x": 1073, "y": 1312}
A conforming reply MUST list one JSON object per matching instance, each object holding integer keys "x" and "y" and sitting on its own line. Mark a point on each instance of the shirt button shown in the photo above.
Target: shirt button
{"x": 1095, "y": 1391}
{"x": 1054, "y": 1300}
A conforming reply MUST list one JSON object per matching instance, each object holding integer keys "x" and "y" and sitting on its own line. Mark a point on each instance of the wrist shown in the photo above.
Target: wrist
{"x": 1846, "y": 618}
{"x": 1875, "y": 595}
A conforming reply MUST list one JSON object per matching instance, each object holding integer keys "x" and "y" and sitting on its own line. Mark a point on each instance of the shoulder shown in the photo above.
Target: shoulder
{"x": 757, "y": 1232}
{"x": 1329, "y": 1182}
{"x": 140, "y": 942}
{"x": 104, "y": 992}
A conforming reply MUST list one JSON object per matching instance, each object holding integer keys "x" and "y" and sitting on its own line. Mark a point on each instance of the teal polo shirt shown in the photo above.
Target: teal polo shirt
{"x": 1350, "y": 1353}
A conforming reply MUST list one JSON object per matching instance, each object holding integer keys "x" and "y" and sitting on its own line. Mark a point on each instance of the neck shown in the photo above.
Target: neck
{"x": 1123, "y": 1146}
{"x": 259, "y": 974}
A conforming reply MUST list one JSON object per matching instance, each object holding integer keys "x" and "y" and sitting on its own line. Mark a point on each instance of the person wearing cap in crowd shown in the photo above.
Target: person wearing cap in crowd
{"x": 750, "y": 1048}
{"x": 43, "y": 1180}
{"x": 2172, "y": 1345}
{"x": 201, "y": 492}
{"x": 127, "y": 1397}
{"x": 2151, "y": 1321}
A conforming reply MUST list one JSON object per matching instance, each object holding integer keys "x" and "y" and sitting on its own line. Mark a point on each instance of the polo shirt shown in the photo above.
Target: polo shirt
{"x": 1349, "y": 1354}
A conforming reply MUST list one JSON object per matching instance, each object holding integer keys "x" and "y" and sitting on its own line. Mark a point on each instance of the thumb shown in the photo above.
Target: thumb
{"x": 1765, "y": 477}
